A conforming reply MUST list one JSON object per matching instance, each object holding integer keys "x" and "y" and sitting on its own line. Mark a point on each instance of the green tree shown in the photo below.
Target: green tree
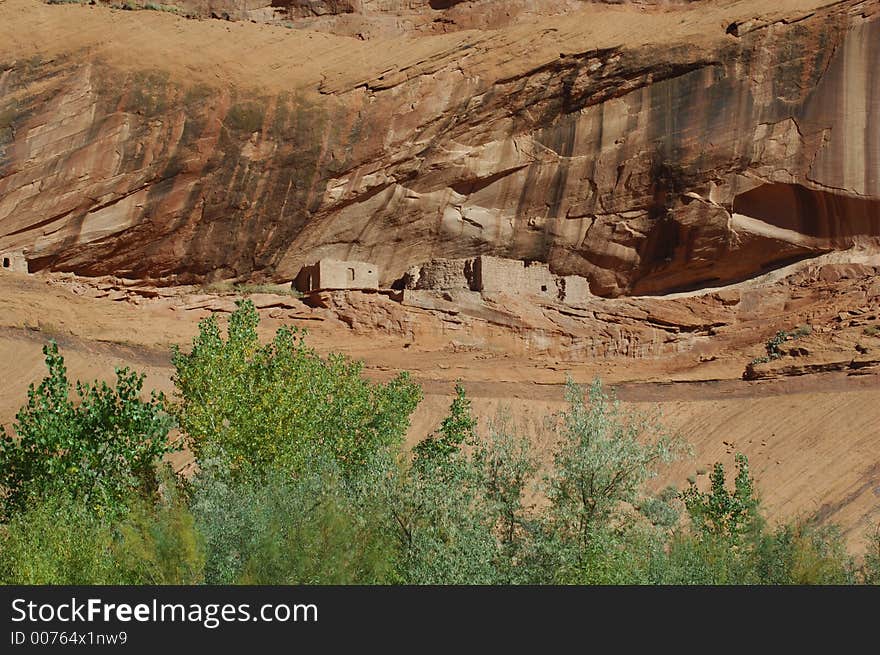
{"x": 721, "y": 512}
{"x": 100, "y": 447}
{"x": 506, "y": 465}
{"x": 281, "y": 404}
{"x": 442, "y": 532}
{"x": 871, "y": 565}
{"x": 282, "y": 529}
{"x": 457, "y": 429}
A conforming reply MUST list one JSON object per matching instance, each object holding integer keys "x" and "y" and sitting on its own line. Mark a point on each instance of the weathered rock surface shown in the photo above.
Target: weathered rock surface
{"x": 366, "y": 19}
{"x": 649, "y": 151}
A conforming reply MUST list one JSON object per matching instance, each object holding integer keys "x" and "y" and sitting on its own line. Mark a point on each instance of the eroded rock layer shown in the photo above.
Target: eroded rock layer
{"x": 648, "y": 151}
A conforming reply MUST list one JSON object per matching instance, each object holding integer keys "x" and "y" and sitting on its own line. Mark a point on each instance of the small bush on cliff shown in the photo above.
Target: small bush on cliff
{"x": 100, "y": 447}
{"x": 260, "y": 407}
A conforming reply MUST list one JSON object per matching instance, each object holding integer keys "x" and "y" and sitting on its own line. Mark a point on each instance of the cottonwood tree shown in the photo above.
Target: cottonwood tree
{"x": 281, "y": 404}
{"x": 101, "y": 446}
{"x": 443, "y": 534}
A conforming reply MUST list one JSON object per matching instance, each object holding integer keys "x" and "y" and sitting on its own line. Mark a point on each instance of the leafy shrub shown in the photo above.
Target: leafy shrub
{"x": 100, "y": 448}
{"x": 871, "y": 565}
{"x": 507, "y": 466}
{"x": 721, "y": 512}
{"x": 659, "y": 509}
{"x": 772, "y": 347}
{"x": 615, "y": 555}
{"x": 791, "y": 554}
{"x": 442, "y": 533}
{"x": 801, "y": 554}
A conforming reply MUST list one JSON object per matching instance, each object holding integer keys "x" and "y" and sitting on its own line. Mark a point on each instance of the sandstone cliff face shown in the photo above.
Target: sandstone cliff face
{"x": 648, "y": 151}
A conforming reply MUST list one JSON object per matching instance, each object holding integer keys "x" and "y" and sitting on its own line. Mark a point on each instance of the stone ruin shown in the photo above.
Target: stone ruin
{"x": 483, "y": 274}
{"x": 497, "y": 275}
{"x": 333, "y": 274}
{"x": 14, "y": 261}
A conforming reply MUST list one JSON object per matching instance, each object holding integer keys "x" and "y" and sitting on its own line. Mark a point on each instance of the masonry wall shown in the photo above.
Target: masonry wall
{"x": 13, "y": 261}
{"x": 339, "y": 274}
{"x": 574, "y": 290}
{"x": 514, "y": 277}
{"x": 442, "y": 275}
{"x": 487, "y": 274}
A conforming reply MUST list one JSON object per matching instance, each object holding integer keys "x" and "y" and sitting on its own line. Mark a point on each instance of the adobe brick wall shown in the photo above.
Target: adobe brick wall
{"x": 488, "y": 274}
{"x": 340, "y": 274}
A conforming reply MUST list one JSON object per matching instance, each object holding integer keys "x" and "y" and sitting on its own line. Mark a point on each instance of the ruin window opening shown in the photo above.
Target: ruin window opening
{"x": 351, "y": 275}
{"x": 6, "y": 262}
{"x": 543, "y": 287}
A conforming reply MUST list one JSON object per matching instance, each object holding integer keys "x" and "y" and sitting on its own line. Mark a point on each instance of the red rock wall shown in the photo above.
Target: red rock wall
{"x": 622, "y": 164}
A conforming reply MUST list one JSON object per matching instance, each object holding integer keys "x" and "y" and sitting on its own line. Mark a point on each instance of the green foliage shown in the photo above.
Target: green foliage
{"x": 506, "y": 467}
{"x": 791, "y": 554}
{"x": 456, "y": 429}
{"x": 772, "y": 347}
{"x": 801, "y": 554}
{"x": 732, "y": 545}
{"x": 443, "y": 536}
{"x": 100, "y": 448}
{"x": 282, "y": 405}
{"x": 660, "y": 510}
{"x": 158, "y": 544}
{"x": 285, "y": 530}
{"x": 605, "y": 456}
{"x": 301, "y": 480}
{"x": 871, "y": 566}
{"x": 614, "y": 555}
{"x": 720, "y": 512}
{"x": 55, "y": 541}
{"x": 336, "y": 542}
